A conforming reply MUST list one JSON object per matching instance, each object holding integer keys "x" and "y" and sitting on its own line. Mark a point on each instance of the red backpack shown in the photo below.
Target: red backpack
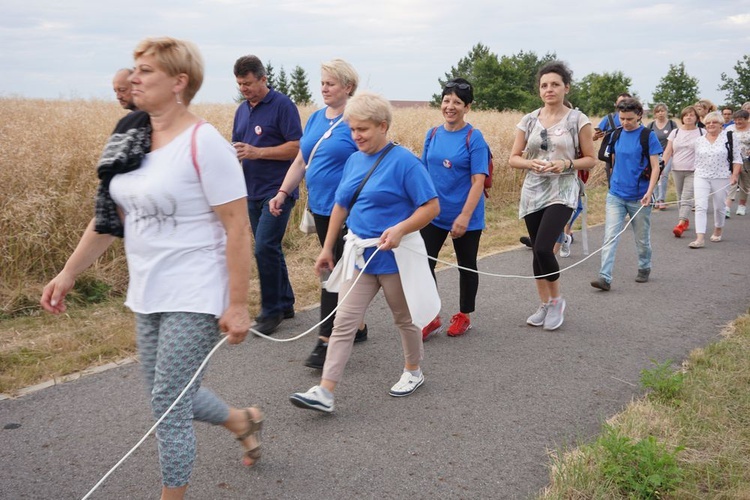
{"x": 490, "y": 166}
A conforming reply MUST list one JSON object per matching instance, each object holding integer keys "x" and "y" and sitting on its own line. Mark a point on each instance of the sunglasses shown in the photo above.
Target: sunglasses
{"x": 544, "y": 145}
{"x": 460, "y": 86}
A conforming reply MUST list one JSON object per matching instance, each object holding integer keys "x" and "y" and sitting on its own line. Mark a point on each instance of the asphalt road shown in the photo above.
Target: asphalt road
{"x": 495, "y": 401}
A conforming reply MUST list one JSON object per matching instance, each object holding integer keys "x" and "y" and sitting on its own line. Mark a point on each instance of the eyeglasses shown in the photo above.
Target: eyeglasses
{"x": 544, "y": 145}
{"x": 460, "y": 86}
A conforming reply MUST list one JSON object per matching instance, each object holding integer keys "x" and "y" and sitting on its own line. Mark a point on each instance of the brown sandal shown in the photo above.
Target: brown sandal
{"x": 254, "y": 428}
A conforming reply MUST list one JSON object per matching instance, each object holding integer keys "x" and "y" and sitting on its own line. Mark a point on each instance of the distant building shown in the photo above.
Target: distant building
{"x": 410, "y": 104}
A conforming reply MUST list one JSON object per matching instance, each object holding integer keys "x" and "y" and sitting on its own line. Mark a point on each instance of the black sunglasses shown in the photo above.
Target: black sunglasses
{"x": 544, "y": 145}
{"x": 461, "y": 86}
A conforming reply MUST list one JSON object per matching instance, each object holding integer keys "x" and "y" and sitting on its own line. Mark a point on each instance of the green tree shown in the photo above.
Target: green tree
{"x": 676, "y": 89}
{"x": 300, "y": 88}
{"x": 737, "y": 89}
{"x": 270, "y": 75}
{"x": 282, "y": 82}
{"x": 595, "y": 94}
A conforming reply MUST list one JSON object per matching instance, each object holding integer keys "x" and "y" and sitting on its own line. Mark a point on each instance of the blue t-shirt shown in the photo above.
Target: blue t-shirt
{"x": 626, "y": 181}
{"x": 604, "y": 124}
{"x": 397, "y": 187}
{"x": 451, "y": 164}
{"x": 273, "y": 121}
{"x": 324, "y": 173}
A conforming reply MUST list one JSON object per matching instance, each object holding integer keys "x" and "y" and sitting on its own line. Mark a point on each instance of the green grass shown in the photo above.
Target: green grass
{"x": 689, "y": 437}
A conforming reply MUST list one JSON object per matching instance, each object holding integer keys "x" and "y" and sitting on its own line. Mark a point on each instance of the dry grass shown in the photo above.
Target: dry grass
{"x": 48, "y": 156}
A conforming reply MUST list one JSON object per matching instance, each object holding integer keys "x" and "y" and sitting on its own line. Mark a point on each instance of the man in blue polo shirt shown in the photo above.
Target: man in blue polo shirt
{"x": 266, "y": 134}
{"x": 630, "y": 191}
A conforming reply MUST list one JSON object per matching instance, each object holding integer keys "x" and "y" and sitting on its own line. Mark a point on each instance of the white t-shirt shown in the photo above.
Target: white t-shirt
{"x": 174, "y": 242}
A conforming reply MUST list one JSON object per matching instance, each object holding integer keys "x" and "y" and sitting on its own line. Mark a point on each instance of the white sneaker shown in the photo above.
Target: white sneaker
{"x": 407, "y": 384}
{"x": 740, "y": 210}
{"x": 555, "y": 310}
{"x": 537, "y": 319}
{"x": 728, "y": 213}
{"x": 565, "y": 247}
{"x": 314, "y": 399}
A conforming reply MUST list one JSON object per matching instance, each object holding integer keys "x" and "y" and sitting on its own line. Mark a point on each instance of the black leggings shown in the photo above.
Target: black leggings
{"x": 466, "y": 247}
{"x": 544, "y": 227}
{"x": 328, "y": 300}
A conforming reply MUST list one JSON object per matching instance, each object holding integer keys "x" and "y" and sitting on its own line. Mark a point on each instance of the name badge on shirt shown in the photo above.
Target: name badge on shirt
{"x": 258, "y": 130}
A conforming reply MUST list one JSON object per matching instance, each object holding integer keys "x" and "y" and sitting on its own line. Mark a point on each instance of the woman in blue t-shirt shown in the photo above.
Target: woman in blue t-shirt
{"x": 324, "y": 148}
{"x": 457, "y": 158}
{"x": 385, "y": 197}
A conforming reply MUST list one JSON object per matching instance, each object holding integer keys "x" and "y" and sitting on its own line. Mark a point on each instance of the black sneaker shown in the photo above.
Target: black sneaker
{"x": 267, "y": 325}
{"x": 643, "y": 275}
{"x": 601, "y": 284}
{"x": 361, "y": 335}
{"x": 317, "y": 356}
{"x": 289, "y": 313}
{"x": 526, "y": 241}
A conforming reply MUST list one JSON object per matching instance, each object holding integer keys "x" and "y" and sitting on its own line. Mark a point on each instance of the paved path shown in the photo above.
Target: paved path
{"x": 494, "y": 402}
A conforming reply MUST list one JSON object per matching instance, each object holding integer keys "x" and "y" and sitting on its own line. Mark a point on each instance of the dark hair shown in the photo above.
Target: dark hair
{"x": 453, "y": 86}
{"x": 623, "y": 94}
{"x": 689, "y": 109}
{"x": 557, "y": 67}
{"x": 741, "y": 113}
{"x": 249, "y": 64}
{"x": 729, "y": 108}
{"x": 630, "y": 104}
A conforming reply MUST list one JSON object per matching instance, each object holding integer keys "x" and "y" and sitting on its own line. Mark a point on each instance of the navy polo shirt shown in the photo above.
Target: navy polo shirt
{"x": 273, "y": 121}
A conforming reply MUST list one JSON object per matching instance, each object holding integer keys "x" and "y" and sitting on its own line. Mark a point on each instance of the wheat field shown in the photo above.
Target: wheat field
{"x": 48, "y": 155}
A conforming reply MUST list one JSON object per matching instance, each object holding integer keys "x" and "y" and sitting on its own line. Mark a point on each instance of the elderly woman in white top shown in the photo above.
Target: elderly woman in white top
{"x": 714, "y": 172}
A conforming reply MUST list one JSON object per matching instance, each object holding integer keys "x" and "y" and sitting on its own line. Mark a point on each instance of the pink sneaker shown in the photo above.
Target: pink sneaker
{"x": 434, "y": 327}
{"x": 460, "y": 324}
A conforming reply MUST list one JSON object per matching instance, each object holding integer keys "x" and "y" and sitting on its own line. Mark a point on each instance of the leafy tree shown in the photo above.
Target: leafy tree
{"x": 595, "y": 94}
{"x": 270, "y": 75}
{"x": 282, "y": 82}
{"x": 676, "y": 89}
{"x": 499, "y": 83}
{"x": 300, "y": 89}
{"x": 738, "y": 89}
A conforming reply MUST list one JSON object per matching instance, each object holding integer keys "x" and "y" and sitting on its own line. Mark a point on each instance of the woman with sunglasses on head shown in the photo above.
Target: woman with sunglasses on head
{"x": 457, "y": 158}
{"x": 713, "y": 175}
{"x": 545, "y": 146}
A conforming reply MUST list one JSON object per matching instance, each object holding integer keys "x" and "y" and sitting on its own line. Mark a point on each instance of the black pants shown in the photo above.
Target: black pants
{"x": 544, "y": 227}
{"x": 328, "y": 300}
{"x": 466, "y": 247}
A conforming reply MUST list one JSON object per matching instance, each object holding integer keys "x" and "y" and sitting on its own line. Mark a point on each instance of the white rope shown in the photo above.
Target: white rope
{"x": 257, "y": 333}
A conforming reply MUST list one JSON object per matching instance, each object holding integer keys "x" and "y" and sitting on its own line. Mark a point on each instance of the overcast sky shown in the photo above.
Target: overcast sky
{"x": 70, "y": 48}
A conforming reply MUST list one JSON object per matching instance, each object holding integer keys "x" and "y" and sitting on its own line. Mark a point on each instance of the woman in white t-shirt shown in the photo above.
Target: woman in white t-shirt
{"x": 175, "y": 189}
{"x": 713, "y": 175}
{"x": 680, "y": 151}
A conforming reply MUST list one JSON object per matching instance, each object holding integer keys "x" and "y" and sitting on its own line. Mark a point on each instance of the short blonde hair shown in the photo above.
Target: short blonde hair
{"x": 369, "y": 106}
{"x": 343, "y": 72}
{"x": 175, "y": 57}
{"x": 714, "y": 116}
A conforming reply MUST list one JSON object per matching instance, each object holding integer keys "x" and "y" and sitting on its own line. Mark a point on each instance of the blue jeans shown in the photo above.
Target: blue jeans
{"x": 616, "y": 210}
{"x": 276, "y": 293}
{"x": 661, "y": 186}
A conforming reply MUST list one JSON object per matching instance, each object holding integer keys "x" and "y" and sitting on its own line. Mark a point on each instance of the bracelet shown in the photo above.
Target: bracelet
{"x": 570, "y": 167}
{"x": 282, "y": 191}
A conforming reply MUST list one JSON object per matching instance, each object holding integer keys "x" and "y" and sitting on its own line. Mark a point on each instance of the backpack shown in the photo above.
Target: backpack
{"x": 490, "y": 165}
{"x": 645, "y": 133}
{"x": 603, "y": 154}
{"x": 671, "y": 123}
{"x": 730, "y": 149}
{"x": 571, "y": 124}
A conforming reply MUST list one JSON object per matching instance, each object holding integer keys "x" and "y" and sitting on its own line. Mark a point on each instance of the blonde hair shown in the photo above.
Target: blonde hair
{"x": 707, "y": 105}
{"x": 369, "y": 106}
{"x": 175, "y": 57}
{"x": 714, "y": 116}
{"x": 343, "y": 72}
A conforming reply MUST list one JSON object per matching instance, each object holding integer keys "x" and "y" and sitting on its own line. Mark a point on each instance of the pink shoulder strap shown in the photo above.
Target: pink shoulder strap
{"x": 194, "y": 147}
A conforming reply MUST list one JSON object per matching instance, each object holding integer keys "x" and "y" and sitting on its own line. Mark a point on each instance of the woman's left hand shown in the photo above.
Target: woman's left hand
{"x": 391, "y": 237}
{"x": 459, "y": 226}
{"x": 235, "y": 323}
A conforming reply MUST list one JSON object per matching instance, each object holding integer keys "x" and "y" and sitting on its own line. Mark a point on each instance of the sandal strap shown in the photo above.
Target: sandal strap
{"x": 253, "y": 426}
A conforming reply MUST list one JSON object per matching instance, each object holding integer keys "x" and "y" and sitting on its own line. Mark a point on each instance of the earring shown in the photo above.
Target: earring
{"x": 177, "y": 95}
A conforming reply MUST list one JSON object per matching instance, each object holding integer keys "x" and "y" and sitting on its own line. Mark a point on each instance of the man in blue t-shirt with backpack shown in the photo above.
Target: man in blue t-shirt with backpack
{"x": 635, "y": 154}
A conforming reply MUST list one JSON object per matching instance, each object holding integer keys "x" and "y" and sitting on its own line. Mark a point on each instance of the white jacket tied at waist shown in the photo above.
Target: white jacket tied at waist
{"x": 419, "y": 286}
